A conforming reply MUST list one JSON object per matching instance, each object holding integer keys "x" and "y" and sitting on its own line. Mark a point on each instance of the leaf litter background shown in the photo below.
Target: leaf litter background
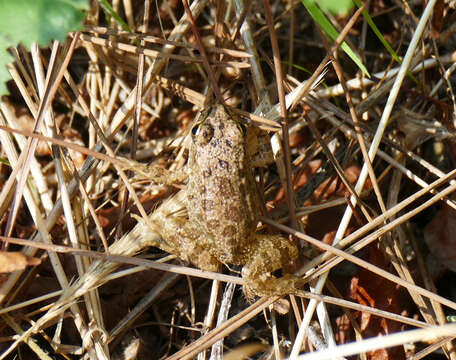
{"x": 180, "y": 309}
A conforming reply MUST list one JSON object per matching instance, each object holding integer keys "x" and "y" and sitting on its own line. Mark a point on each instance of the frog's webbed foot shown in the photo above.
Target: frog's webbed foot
{"x": 267, "y": 284}
{"x": 272, "y": 252}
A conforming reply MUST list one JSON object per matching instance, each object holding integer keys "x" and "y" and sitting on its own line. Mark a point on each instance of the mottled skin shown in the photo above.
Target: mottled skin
{"x": 223, "y": 206}
{"x": 222, "y": 200}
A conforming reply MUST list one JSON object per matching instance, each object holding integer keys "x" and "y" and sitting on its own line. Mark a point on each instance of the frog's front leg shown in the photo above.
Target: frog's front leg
{"x": 268, "y": 254}
{"x": 155, "y": 174}
{"x": 166, "y": 177}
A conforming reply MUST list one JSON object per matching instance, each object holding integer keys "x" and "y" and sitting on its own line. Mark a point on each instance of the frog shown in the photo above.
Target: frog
{"x": 223, "y": 206}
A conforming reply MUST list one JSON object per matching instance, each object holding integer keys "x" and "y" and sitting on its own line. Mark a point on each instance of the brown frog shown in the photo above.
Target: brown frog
{"x": 223, "y": 206}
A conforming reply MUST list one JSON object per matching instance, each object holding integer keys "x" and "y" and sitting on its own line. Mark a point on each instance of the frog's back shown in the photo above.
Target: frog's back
{"x": 222, "y": 198}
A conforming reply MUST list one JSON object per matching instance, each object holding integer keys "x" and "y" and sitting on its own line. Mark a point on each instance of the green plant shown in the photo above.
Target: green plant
{"x": 40, "y": 21}
{"x": 336, "y": 6}
{"x": 320, "y": 18}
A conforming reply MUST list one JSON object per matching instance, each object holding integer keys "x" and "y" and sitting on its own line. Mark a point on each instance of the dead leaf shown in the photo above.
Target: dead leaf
{"x": 371, "y": 290}
{"x": 15, "y": 260}
{"x": 440, "y": 239}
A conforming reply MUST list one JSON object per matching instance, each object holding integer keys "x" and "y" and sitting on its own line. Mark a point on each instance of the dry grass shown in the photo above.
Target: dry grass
{"x": 365, "y": 163}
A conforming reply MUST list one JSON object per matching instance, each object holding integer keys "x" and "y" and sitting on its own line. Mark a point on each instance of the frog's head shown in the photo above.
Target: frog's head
{"x": 217, "y": 122}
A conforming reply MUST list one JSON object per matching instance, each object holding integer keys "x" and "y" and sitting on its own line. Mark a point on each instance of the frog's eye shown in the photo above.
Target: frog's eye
{"x": 195, "y": 129}
{"x": 202, "y": 133}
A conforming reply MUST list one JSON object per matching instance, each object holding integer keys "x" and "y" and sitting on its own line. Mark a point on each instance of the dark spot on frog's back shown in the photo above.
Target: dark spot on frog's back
{"x": 221, "y": 126}
{"x": 228, "y": 143}
{"x": 229, "y": 231}
{"x": 224, "y": 164}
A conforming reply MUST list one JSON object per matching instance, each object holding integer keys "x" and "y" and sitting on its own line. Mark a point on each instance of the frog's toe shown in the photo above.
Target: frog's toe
{"x": 268, "y": 285}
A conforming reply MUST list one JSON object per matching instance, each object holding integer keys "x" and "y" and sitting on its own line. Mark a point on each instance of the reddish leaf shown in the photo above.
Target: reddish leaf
{"x": 437, "y": 18}
{"x": 371, "y": 290}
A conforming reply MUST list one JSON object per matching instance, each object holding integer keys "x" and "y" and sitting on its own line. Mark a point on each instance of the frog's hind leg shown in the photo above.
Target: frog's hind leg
{"x": 270, "y": 253}
{"x": 176, "y": 235}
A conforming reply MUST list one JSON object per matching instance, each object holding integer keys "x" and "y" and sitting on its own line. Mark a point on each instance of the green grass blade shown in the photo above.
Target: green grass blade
{"x": 110, "y": 11}
{"x": 377, "y": 32}
{"x": 330, "y": 31}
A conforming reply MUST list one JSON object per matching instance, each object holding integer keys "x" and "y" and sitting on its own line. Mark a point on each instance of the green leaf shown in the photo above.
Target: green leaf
{"x": 377, "y": 32}
{"x": 331, "y": 32}
{"x": 27, "y": 21}
{"x": 5, "y": 59}
{"x": 338, "y": 7}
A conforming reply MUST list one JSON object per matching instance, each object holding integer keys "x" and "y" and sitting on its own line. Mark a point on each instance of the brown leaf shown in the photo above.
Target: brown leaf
{"x": 437, "y": 18}
{"x": 440, "y": 239}
{"x": 14, "y": 261}
{"x": 371, "y": 290}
